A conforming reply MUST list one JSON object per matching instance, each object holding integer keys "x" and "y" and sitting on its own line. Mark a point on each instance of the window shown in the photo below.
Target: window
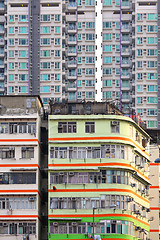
{"x": 90, "y": 48}
{"x": 151, "y": 99}
{"x": 151, "y": 64}
{"x": 117, "y": 36}
{"x": 23, "y": 30}
{"x": 139, "y": 76}
{"x": 139, "y": 88}
{"x": 89, "y": 127}
{"x": 7, "y": 152}
{"x": 117, "y": 25}
{"x": 90, "y": 95}
{"x": 107, "y": 94}
{"x": 115, "y": 127}
{"x": 45, "y": 77}
{"x": 67, "y": 127}
{"x": 11, "y": 89}
{"x": 11, "y": 30}
{"x": 107, "y": 59}
{"x": 152, "y": 124}
{"x": 139, "y": 28}
{"x": 57, "y": 77}
{"x": 79, "y": 83}
{"x": 117, "y": 48}
{"x": 151, "y": 88}
{"x": 57, "y": 53}
{"x": 107, "y": 2}
{"x": 90, "y": 59}
{"x": 23, "y": 77}
{"x": 79, "y": 37}
{"x": 139, "y": 40}
{"x": 107, "y": 36}
{"x": 152, "y": 40}
{"x": 140, "y": 112}
{"x": 11, "y": 77}
{"x": 11, "y": 18}
{"x": 107, "y": 25}
{"x": 23, "y": 53}
{"x": 45, "y": 41}
{"x": 11, "y": 66}
{"x": 139, "y": 64}
{"x": 57, "y": 65}
{"x": 152, "y": 112}
{"x": 152, "y": 28}
{"x": 151, "y": 52}
{"x": 107, "y": 48}
{"x": 45, "y": 30}
{"x": 90, "y": 25}
{"x": 151, "y": 76}
{"x": 139, "y": 52}
{"x": 57, "y": 30}
{"x": 57, "y": 89}
{"x": 117, "y": 71}
{"x": 139, "y": 16}
{"x": 90, "y": 71}
{"x": 23, "y": 42}
{"x": 90, "y": 83}
{"x": 107, "y": 83}
{"x": 45, "y": 18}
{"x": 79, "y": 25}
{"x": 11, "y": 42}
{"x": 23, "y": 89}
{"x": 27, "y": 152}
{"x": 90, "y": 2}
{"x": 23, "y": 65}
{"x": 45, "y": 89}
{"x": 57, "y": 41}
{"x": 23, "y": 18}
{"x": 57, "y": 17}
{"x": 90, "y": 36}
{"x": 45, "y": 65}
{"x": 152, "y": 16}
{"x": 18, "y": 178}
{"x": 117, "y": 83}
{"x": 107, "y": 71}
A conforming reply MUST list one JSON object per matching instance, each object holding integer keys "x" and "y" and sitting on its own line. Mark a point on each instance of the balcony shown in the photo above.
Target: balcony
{"x": 125, "y": 52}
{"x": 72, "y": 63}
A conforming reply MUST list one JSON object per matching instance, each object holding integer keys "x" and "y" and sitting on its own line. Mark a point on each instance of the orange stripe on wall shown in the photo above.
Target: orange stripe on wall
{"x": 19, "y": 165}
{"x": 154, "y": 208}
{"x": 154, "y": 187}
{"x": 96, "y": 215}
{"x": 154, "y": 164}
{"x": 96, "y": 165}
{"x": 19, "y": 190}
{"x": 99, "y": 190}
{"x": 154, "y": 230}
{"x": 19, "y": 216}
{"x": 19, "y": 140}
{"x": 97, "y": 138}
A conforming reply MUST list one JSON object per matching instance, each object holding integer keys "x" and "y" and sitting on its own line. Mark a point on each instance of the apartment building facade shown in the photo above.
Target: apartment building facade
{"x": 20, "y": 202}
{"x": 85, "y": 49}
{"x": 98, "y": 162}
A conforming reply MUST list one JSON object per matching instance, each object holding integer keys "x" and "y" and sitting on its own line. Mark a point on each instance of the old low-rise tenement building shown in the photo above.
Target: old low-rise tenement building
{"x": 98, "y": 161}
{"x": 20, "y": 121}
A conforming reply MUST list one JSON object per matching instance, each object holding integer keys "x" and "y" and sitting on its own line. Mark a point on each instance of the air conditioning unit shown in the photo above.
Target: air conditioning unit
{"x": 133, "y": 184}
{"x": 5, "y": 224}
{"x": 71, "y": 173}
{"x": 74, "y": 224}
{"x": 31, "y": 199}
{"x": 61, "y": 173}
{"x": 1, "y": 224}
{"x": 113, "y": 221}
{"x": 114, "y": 123}
{"x": 130, "y": 199}
{"x": 73, "y": 199}
{"x": 137, "y": 228}
{"x": 20, "y": 224}
{"x": 55, "y": 224}
{"x": 89, "y": 148}
{"x": 11, "y": 148}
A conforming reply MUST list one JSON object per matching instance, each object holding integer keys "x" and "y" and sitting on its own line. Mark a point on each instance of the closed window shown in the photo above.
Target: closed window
{"x": 115, "y": 127}
{"x": 89, "y": 127}
{"x": 27, "y": 152}
{"x": 67, "y": 127}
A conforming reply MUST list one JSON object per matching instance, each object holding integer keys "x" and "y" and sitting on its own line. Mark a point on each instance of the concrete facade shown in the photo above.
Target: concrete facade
{"x": 20, "y": 179}
{"x": 102, "y": 162}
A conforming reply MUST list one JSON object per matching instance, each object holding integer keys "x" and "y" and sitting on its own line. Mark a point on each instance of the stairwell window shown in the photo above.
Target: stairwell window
{"x": 115, "y": 127}
{"x": 89, "y": 127}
